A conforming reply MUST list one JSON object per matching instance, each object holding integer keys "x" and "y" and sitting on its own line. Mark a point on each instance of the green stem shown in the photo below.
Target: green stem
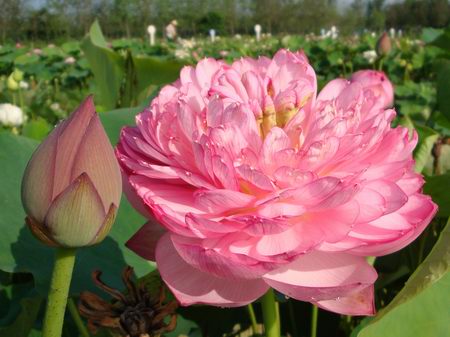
{"x": 251, "y": 313}
{"x": 21, "y": 101}
{"x": 380, "y": 65}
{"x": 59, "y": 289}
{"x": 315, "y": 314}
{"x": 292, "y": 319}
{"x": 77, "y": 319}
{"x": 270, "y": 316}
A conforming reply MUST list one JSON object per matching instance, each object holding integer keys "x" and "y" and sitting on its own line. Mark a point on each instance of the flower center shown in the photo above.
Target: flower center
{"x": 279, "y": 115}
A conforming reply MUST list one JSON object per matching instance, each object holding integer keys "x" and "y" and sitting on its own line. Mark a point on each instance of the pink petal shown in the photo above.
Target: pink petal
{"x": 77, "y": 214}
{"x": 218, "y": 201}
{"x": 321, "y": 276}
{"x": 95, "y": 157}
{"x": 217, "y": 260}
{"x": 418, "y": 212}
{"x": 192, "y": 286}
{"x": 358, "y": 303}
{"x": 71, "y": 135}
{"x": 37, "y": 183}
{"x": 332, "y": 90}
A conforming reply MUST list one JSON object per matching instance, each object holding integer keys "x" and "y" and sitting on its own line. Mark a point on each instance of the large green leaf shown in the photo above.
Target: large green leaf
{"x": 107, "y": 66}
{"x": 122, "y": 80}
{"x": 438, "y": 188}
{"x": 421, "y": 308}
{"x": 24, "y": 322}
{"x": 427, "y": 139}
{"x": 36, "y": 129}
{"x": 115, "y": 120}
{"x": 443, "y": 40}
{"x": 20, "y": 251}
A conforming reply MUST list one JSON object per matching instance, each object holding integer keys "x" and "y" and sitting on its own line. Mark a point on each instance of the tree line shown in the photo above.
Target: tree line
{"x": 50, "y": 20}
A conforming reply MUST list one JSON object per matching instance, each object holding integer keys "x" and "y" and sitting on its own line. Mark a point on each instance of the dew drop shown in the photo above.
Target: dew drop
{"x": 188, "y": 173}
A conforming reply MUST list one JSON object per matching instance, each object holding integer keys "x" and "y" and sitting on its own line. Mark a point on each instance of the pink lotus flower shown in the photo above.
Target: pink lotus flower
{"x": 259, "y": 182}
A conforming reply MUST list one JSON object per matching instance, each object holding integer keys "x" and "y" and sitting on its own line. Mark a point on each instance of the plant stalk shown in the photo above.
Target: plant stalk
{"x": 77, "y": 319}
{"x": 251, "y": 313}
{"x": 314, "y": 317}
{"x": 59, "y": 289}
{"x": 270, "y": 315}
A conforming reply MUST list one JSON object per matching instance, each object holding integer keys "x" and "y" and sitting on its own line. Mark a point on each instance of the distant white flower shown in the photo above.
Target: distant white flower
{"x": 70, "y": 60}
{"x": 238, "y": 36}
{"x": 24, "y": 85}
{"x": 55, "y": 107}
{"x": 181, "y": 54}
{"x": 11, "y": 115}
{"x": 370, "y": 56}
{"x": 187, "y": 43}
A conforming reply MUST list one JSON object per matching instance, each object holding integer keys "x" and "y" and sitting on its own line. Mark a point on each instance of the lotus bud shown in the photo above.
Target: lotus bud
{"x": 384, "y": 45}
{"x": 17, "y": 75}
{"x": 72, "y": 186}
{"x": 12, "y": 84}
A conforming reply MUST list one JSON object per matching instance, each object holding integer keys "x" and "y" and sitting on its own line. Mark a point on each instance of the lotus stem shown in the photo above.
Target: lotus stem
{"x": 314, "y": 317}
{"x": 59, "y": 290}
{"x": 251, "y": 313}
{"x": 270, "y": 316}
{"x": 77, "y": 318}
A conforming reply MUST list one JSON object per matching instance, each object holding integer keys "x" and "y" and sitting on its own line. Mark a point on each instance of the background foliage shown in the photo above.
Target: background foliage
{"x": 61, "y": 19}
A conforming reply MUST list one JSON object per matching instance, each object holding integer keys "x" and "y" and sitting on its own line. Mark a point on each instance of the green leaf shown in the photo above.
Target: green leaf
{"x": 154, "y": 71}
{"x": 443, "y": 40}
{"x": 24, "y": 322}
{"x": 422, "y": 153}
{"x": 115, "y": 120}
{"x": 437, "y": 187}
{"x": 107, "y": 66}
{"x": 26, "y": 59}
{"x": 430, "y": 34}
{"x": 443, "y": 86}
{"x": 421, "y": 308}
{"x": 36, "y": 129}
{"x": 21, "y": 252}
{"x": 123, "y": 80}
